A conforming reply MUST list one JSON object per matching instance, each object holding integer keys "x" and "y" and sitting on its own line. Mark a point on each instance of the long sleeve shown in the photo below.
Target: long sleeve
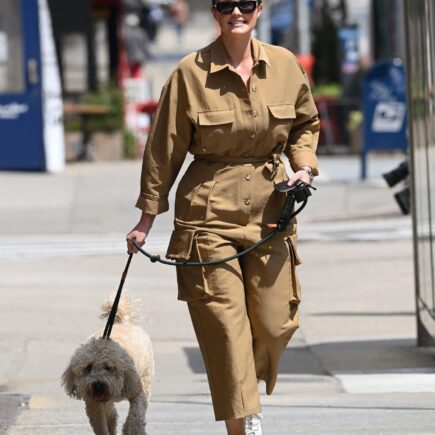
{"x": 167, "y": 146}
{"x": 304, "y": 135}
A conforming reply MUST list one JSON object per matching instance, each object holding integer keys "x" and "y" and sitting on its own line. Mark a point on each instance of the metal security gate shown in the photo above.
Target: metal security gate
{"x": 420, "y": 27}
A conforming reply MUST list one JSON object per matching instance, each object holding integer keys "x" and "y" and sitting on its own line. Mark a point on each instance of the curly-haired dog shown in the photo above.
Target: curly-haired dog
{"x": 105, "y": 371}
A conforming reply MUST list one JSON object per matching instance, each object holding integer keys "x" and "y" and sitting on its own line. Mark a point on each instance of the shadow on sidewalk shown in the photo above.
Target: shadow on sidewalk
{"x": 349, "y": 356}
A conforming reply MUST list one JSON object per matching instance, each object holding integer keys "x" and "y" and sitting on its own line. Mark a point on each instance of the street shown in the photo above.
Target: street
{"x": 353, "y": 367}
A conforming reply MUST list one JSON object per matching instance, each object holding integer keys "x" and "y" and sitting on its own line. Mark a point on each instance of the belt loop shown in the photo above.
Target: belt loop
{"x": 273, "y": 164}
{"x": 276, "y": 161}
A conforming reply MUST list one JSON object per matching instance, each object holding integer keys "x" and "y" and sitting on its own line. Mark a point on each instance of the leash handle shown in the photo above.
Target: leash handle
{"x": 112, "y": 315}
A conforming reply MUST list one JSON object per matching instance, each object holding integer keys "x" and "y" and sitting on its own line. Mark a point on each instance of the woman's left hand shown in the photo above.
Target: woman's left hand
{"x": 299, "y": 175}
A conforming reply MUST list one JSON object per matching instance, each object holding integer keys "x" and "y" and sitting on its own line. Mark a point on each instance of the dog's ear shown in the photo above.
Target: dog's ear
{"x": 132, "y": 383}
{"x": 69, "y": 383}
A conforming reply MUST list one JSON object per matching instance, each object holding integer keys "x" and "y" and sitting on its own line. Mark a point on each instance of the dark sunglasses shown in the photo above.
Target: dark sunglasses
{"x": 245, "y": 7}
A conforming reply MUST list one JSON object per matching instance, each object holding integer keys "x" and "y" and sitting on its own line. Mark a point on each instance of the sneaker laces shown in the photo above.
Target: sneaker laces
{"x": 253, "y": 424}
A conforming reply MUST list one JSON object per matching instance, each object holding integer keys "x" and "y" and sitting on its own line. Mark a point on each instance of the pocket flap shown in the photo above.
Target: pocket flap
{"x": 282, "y": 111}
{"x": 216, "y": 117}
{"x": 291, "y": 240}
{"x": 180, "y": 245}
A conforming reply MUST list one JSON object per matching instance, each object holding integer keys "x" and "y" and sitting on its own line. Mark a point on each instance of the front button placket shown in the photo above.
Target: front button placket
{"x": 246, "y": 193}
{"x": 255, "y": 103}
{"x": 249, "y": 122}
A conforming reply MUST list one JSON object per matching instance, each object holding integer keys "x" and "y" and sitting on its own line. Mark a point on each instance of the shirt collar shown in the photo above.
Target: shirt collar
{"x": 219, "y": 58}
{"x": 260, "y": 54}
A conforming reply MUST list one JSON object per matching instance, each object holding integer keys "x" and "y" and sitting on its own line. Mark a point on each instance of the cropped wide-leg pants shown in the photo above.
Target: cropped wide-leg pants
{"x": 244, "y": 312}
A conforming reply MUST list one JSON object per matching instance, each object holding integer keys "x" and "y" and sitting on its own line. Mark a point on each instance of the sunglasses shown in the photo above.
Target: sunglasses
{"x": 245, "y": 7}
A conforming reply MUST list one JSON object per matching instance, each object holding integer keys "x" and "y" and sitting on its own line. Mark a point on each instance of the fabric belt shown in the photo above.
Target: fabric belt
{"x": 272, "y": 162}
{"x": 231, "y": 159}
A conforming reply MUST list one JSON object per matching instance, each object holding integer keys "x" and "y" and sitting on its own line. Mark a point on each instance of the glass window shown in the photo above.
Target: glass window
{"x": 75, "y": 62}
{"x": 11, "y": 48}
{"x": 102, "y": 51}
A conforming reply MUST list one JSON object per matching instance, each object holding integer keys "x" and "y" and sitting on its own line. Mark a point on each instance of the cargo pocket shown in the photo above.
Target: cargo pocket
{"x": 192, "y": 284}
{"x": 282, "y": 111}
{"x": 295, "y": 260}
{"x": 281, "y": 120}
{"x": 215, "y": 128}
{"x": 180, "y": 245}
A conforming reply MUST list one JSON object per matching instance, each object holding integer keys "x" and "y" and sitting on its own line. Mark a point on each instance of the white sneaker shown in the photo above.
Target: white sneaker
{"x": 253, "y": 424}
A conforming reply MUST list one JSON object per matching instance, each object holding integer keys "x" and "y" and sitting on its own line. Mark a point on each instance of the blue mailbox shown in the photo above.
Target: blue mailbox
{"x": 385, "y": 110}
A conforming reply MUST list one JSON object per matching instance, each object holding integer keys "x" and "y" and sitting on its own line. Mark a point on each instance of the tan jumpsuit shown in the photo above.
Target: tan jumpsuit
{"x": 244, "y": 312}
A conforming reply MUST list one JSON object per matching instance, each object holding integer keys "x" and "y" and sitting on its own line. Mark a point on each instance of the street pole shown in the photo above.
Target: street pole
{"x": 264, "y": 24}
{"x": 303, "y": 23}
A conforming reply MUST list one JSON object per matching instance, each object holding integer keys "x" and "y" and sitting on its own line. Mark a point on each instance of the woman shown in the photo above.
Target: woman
{"x": 235, "y": 105}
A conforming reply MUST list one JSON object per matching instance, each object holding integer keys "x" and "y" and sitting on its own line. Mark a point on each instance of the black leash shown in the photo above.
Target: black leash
{"x": 299, "y": 192}
{"x": 112, "y": 315}
{"x": 158, "y": 259}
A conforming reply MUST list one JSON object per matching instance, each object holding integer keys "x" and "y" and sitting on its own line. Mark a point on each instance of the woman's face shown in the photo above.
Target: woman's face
{"x": 236, "y": 22}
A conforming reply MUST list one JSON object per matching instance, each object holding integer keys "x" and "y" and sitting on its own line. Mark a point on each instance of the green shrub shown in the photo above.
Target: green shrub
{"x": 327, "y": 90}
{"x": 129, "y": 144}
{"x": 109, "y": 96}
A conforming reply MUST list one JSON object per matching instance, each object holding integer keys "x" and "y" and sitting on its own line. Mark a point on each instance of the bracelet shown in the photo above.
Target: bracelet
{"x": 308, "y": 170}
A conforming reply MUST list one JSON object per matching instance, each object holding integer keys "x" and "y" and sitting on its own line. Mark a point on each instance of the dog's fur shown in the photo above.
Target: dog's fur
{"x": 102, "y": 372}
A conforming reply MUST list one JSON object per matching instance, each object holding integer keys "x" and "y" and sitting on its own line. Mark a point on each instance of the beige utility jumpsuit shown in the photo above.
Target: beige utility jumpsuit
{"x": 244, "y": 312}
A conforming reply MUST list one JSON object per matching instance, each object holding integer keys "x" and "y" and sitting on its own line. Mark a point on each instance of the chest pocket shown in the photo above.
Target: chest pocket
{"x": 281, "y": 120}
{"x": 215, "y": 128}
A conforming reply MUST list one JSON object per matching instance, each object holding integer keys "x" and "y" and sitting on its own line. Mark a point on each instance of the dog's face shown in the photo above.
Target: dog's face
{"x": 101, "y": 370}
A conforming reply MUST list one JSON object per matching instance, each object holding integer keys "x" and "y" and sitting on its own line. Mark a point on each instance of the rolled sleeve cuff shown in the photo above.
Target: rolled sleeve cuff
{"x": 152, "y": 204}
{"x": 304, "y": 158}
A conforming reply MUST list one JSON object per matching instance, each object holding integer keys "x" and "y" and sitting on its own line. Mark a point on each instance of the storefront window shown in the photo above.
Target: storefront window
{"x": 11, "y": 48}
{"x": 75, "y": 62}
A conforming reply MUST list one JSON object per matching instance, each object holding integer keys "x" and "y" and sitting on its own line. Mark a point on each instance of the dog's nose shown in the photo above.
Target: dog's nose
{"x": 98, "y": 387}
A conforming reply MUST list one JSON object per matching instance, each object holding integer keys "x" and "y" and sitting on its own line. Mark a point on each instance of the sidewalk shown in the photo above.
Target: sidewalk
{"x": 352, "y": 367}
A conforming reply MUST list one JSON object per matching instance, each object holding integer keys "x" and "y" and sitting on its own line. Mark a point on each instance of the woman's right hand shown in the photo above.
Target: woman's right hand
{"x": 140, "y": 232}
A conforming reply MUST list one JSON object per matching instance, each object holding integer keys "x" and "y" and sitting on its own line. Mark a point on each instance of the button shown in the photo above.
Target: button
{"x": 247, "y": 201}
{"x": 252, "y": 135}
{"x": 254, "y": 113}
{"x": 254, "y": 88}
{"x": 248, "y": 177}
